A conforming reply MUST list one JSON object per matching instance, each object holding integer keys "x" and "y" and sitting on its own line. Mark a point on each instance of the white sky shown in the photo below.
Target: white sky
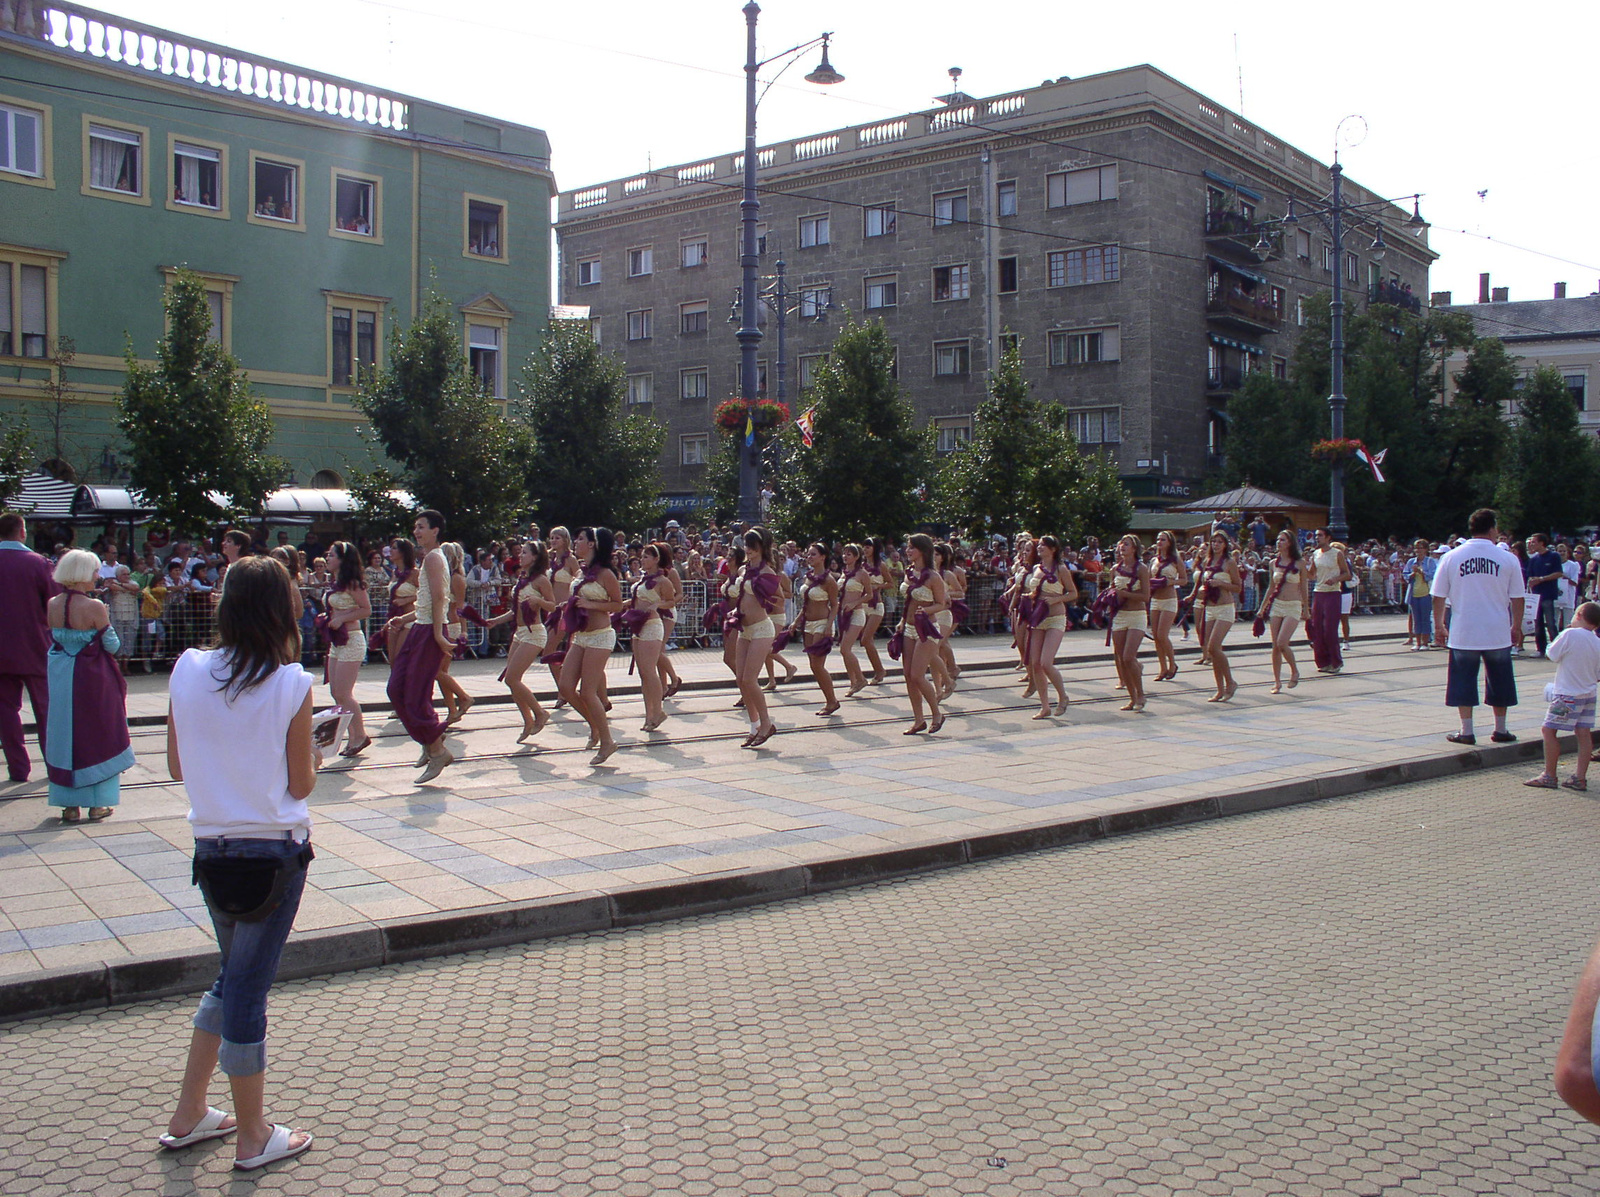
{"x": 1457, "y": 100}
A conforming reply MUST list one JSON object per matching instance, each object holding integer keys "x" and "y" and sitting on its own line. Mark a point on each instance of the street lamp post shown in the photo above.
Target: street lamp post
{"x": 749, "y": 333}
{"x": 1335, "y": 217}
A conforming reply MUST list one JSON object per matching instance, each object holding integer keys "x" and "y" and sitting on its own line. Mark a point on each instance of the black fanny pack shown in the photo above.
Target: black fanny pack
{"x": 248, "y": 890}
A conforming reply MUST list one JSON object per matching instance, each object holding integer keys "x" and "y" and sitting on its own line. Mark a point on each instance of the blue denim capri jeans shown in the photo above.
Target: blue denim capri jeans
{"x": 235, "y": 1007}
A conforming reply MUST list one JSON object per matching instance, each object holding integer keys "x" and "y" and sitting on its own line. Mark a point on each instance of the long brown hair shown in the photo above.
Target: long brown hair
{"x": 255, "y": 623}
{"x": 350, "y": 576}
{"x": 759, "y": 537}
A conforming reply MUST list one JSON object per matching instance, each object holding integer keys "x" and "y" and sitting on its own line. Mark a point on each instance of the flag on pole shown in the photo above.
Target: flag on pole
{"x": 749, "y": 428}
{"x": 807, "y": 424}
{"x": 1374, "y": 460}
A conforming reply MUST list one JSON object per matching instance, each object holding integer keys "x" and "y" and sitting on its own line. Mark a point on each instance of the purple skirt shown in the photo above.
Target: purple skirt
{"x": 411, "y": 685}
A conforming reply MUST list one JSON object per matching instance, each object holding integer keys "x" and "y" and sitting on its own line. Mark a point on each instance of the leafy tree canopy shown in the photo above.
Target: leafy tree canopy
{"x": 1552, "y": 470}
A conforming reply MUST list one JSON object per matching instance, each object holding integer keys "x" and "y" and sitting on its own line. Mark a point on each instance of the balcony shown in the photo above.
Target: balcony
{"x": 1253, "y": 311}
{"x": 1238, "y": 233}
{"x": 1224, "y": 379}
{"x": 1399, "y": 297}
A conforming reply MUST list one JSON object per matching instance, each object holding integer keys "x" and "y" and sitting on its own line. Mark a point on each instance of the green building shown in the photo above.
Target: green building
{"x": 318, "y": 211}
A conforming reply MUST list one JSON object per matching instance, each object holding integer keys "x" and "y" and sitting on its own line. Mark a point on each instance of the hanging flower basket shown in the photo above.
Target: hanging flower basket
{"x": 1334, "y": 451}
{"x": 765, "y": 414}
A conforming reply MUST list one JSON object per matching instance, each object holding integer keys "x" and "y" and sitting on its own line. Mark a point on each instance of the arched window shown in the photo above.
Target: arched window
{"x": 327, "y": 480}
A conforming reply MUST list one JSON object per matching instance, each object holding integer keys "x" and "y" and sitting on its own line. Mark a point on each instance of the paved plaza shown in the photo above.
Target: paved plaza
{"x": 517, "y": 825}
{"x": 1354, "y": 996}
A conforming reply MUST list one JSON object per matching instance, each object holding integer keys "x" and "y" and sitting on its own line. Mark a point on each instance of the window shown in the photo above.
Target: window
{"x": 588, "y": 271}
{"x": 810, "y": 367}
{"x": 356, "y": 210}
{"x": 1077, "y": 267}
{"x": 641, "y": 388}
{"x": 277, "y": 191}
{"x": 952, "y": 282}
{"x": 694, "y": 384}
{"x": 761, "y": 240}
{"x": 692, "y": 253}
{"x": 1006, "y": 282}
{"x": 949, "y": 207}
{"x": 483, "y": 355}
{"x": 1327, "y": 255}
{"x": 485, "y": 229}
{"x": 1082, "y": 347}
{"x": 23, "y": 310}
{"x": 951, "y": 358}
{"x": 1010, "y": 343}
{"x": 813, "y": 231}
{"x": 641, "y": 261}
{"x": 116, "y": 159}
{"x": 20, "y": 142}
{"x": 1578, "y": 387}
{"x": 353, "y": 345}
{"x": 197, "y": 176}
{"x": 692, "y": 316}
{"x": 594, "y": 329}
{"x": 815, "y": 302}
{"x": 639, "y": 325}
{"x": 1280, "y": 368}
{"x": 1097, "y": 426}
{"x": 953, "y": 432}
{"x": 1302, "y": 244}
{"x": 761, "y": 378}
{"x": 1081, "y": 186}
{"x": 879, "y": 221}
{"x": 1279, "y": 298}
{"x": 1352, "y": 268}
{"x": 881, "y": 290}
{"x": 1300, "y": 311}
{"x": 1005, "y": 198}
{"x": 692, "y": 449}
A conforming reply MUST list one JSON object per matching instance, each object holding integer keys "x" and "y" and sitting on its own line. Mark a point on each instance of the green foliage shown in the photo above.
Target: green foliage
{"x": 192, "y": 424}
{"x": 868, "y": 461}
{"x": 376, "y": 514}
{"x": 1474, "y": 427}
{"x": 16, "y": 456}
{"x": 1552, "y": 470}
{"x": 591, "y": 464}
{"x": 457, "y": 453}
{"x": 1023, "y": 470}
{"x": 1272, "y": 425}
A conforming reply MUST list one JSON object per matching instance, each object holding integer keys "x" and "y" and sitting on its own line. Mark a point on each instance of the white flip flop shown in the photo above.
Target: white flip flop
{"x": 209, "y": 1127}
{"x": 277, "y": 1149}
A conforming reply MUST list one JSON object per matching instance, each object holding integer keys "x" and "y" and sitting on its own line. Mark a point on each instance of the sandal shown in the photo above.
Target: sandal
{"x": 1581, "y": 784}
{"x": 915, "y": 728}
{"x": 97, "y": 813}
{"x": 278, "y": 1148}
{"x": 1543, "y": 782}
{"x": 72, "y": 814}
{"x": 209, "y": 1127}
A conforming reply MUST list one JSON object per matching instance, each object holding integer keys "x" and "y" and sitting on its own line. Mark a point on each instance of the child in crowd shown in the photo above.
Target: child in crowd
{"x": 1571, "y": 695}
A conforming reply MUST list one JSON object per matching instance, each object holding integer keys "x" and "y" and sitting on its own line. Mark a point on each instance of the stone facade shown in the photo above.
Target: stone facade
{"x": 1096, "y": 230}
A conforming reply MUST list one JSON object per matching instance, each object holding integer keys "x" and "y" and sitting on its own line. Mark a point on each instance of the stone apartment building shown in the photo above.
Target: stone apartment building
{"x": 1107, "y": 223}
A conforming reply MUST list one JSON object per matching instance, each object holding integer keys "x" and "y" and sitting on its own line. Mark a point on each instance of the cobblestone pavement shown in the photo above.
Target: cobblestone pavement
{"x": 1357, "y": 996}
{"x": 513, "y": 823}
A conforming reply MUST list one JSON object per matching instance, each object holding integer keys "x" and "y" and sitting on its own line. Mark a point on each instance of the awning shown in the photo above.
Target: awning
{"x": 1232, "y": 186}
{"x": 298, "y": 504}
{"x": 1220, "y": 416}
{"x": 42, "y": 497}
{"x": 1240, "y": 270}
{"x": 1242, "y": 346}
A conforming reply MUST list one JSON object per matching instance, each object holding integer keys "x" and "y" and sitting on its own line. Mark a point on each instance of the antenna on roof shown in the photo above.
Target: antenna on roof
{"x": 956, "y": 96}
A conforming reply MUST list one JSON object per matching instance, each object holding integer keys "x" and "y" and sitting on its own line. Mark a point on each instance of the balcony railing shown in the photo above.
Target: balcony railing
{"x": 1255, "y": 310}
{"x": 1399, "y": 297}
{"x": 1224, "y": 378}
{"x": 1229, "y": 224}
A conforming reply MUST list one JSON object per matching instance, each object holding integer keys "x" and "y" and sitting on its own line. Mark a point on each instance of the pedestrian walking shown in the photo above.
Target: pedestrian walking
{"x": 424, "y": 648}
{"x": 239, "y": 739}
{"x": 1218, "y": 587}
{"x": 1571, "y": 695}
{"x": 587, "y": 619}
{"x": 1330, "y": 570}
{"x": 349, "y": 605}
{"x": 26, "y": 587}
{"x": 1284, "y": 608}
{"x": 1481, "y": 582}
{"x": 1544, "y": 580}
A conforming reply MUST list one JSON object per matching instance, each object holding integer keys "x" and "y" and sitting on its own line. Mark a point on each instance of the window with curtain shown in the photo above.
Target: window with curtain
{"x": 6, "y": 346}
{"x": 484, "y": 356}
{"x": 214, "y": 303}
{"x": 341, "y": 347}
{"x": 19, "y": 140}
{"x": 194, "y": 175}
{"x": 35, "y": 332}
{"x": 114, "y": 160}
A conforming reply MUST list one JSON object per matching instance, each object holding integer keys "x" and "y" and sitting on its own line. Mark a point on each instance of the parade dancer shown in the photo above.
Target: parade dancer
{"x": 852, "y": 614}
{"x": 1046, "y": 591}
{"x": 757, "y": 596}
{"x": 349, "y": 606}
{"x": 423, "y": 649}
{"x": 877, "y": 580}
{"x": 925, "y": 597}
{"x": 531, "y": 598}
{"x": 955, "y": 586}
{"x": 1167, "y": 577}
{"x": 728, "y": 586}
{"x": 1018, "y": 602}
{"x": 647, "y": 630}
{"x": 589, "y": 633}
{"x": 402, "y": 596}
{"x": 456, "y": 699}
{"x": 1218, "y": 588}
{"x": 1331, "y": 570}
{"x": 1130, "y": 579}
{"x": 819, "y": 608}
{"x": 776, "y": 657}
{"x": 672, "y": 580}
{"x": 1285, "y": 607}
{"x": 564, "y": 571}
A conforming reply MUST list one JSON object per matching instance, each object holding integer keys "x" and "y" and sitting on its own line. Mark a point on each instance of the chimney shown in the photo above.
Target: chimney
{"x": 1501, "y": 294}
{"x": 1561, "y": 290}
{"x": 1483, "y": 288}
{"x": 1439, "y": 299}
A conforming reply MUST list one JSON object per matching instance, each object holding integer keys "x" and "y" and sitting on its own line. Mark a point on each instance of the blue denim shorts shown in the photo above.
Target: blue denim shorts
{"x": 235, "y": 1007}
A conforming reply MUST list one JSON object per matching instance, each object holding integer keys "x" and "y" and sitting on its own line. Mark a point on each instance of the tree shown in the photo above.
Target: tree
{"x": 377, "y": 515}
{"x": 868, "y": 460}
{"x": 1475, "y": 430}
{"x": 192, "y": 424}
{"x": 1023, "y": 470}
{"x": 457, "y": 453}
{"x": 1272, "y": 424}
{"x": 1552, "y": 469}
{"x": 16, "y": 456}
{"x": 59, "y": 398}
{"x": 592, "y": 464}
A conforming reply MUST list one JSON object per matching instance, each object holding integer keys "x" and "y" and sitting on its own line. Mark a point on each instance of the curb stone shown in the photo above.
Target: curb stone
{"x": 395, "y": 941}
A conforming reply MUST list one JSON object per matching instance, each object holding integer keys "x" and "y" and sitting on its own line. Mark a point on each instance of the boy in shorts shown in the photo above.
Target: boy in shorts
{"x": 1571, "y": 695}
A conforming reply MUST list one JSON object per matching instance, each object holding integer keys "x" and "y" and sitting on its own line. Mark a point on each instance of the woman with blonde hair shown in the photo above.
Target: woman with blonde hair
{"x": 1130, "y": 579}
{"x": 1047, "y": 591}
{"x": 1167, "y": 577}
{"x": 1217, "y": 588}
{"x": 565, "y": 569}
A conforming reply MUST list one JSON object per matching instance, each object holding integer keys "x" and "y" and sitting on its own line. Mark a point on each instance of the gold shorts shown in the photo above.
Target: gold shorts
{"x": 1052, "y": 623}
{"x": 605, "y": 638}
{"x": 1169, "y": 605}
{"x": 876, "y": 609}
{"x": 654, "y": 631}
{"x": 1130, "y": 621}
{"x": 1228, "y": 614}
{"x": 944, "y": 621}
{"x": 759, "y": 631}
{"x": 1287, "y": 609}
{"x": 534, "y": 637}
{"x": 818, "y": 627}
{"x": 353, "y": 649}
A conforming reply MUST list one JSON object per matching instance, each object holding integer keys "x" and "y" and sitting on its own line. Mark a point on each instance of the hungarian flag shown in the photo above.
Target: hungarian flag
{"x": 1374, "y": 460}
{"x": 807, "y": 424}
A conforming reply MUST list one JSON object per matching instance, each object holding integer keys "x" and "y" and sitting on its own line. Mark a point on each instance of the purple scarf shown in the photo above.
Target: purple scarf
{"x": 573, "y": 616}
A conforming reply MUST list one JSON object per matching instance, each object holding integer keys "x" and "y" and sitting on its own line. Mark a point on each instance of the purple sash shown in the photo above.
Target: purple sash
{"x": 925, "y": 626}
{"x": 400, "y": 579}
{"x": 959, "y": 611}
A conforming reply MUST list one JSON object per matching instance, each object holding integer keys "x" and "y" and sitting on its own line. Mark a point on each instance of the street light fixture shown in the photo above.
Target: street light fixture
{"x": 1334, "y": 215}
{"x": 749, "y": 334}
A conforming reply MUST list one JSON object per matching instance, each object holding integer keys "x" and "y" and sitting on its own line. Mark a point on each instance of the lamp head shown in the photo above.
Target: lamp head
{"x": 1416, "y": 224}
{"x": 1262, "y": 248}
{"x": 825, "y": 74}
{"x": 1379, "y": 247}
{"x": 1289, "y": 217}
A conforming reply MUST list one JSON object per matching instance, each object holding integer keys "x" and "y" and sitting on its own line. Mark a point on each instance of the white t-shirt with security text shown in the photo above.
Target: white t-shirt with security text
{"x": 1479, "y": 579}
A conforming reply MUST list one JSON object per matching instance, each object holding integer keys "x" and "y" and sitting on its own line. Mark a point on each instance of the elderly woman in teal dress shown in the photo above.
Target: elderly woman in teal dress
{"x": 87, "y": 745}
